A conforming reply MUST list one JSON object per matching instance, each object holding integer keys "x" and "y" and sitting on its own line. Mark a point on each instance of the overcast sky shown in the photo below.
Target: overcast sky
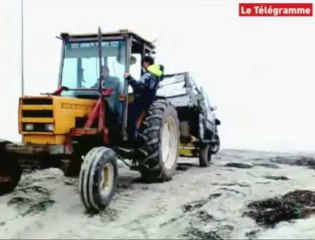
{"x": 259, "y": 72}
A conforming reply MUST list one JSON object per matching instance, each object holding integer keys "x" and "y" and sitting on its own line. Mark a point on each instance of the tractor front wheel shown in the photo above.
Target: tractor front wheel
{"x": 98, "y": 178}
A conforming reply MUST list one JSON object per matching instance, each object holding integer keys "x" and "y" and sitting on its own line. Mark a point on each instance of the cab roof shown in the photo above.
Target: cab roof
{"x": 119, "y": 33}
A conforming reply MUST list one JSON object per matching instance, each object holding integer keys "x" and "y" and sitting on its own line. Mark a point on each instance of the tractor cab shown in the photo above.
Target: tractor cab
{"x": 121, "y": 51}
{"x": 81, "y": 68}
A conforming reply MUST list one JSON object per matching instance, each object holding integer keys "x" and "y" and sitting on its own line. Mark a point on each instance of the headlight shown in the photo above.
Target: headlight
{"x": 29, "y": 127}
{"x": 49, "y": 127}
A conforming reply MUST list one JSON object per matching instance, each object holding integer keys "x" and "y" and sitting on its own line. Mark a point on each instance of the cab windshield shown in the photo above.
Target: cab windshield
{"x": 81, "y": 64}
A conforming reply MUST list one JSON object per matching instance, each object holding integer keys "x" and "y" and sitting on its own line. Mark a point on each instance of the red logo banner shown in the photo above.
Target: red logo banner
{"x": 276, "y": 9}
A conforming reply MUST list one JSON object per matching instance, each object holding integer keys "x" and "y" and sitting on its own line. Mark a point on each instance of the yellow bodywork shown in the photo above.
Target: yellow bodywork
{"x": 65, "y": 110}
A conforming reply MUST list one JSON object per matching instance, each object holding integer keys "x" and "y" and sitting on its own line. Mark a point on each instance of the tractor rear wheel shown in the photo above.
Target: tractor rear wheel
{"x": 159, "y": 139}
{"x": 10, "y": 171}
{"x": 98, "y": 178}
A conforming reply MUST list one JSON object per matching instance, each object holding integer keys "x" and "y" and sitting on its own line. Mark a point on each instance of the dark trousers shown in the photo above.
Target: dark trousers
{"x": 134, "y": 111}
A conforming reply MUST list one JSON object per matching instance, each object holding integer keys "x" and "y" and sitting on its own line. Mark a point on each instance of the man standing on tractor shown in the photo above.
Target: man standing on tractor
{"x": 144, "y": 93}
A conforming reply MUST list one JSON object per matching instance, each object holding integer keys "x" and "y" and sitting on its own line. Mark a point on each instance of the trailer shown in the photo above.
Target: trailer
{"x": 199, "y": 135}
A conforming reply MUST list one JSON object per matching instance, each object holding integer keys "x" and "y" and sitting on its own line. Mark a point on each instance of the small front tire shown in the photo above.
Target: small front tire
{"x": 98, "y": 178}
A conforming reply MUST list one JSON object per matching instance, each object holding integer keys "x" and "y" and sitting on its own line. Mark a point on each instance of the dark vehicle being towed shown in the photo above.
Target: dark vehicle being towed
{"x": 199, "y": 135}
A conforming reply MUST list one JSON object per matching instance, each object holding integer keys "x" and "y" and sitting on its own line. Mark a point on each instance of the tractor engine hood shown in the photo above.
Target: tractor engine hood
{"x": 48, "y": 119}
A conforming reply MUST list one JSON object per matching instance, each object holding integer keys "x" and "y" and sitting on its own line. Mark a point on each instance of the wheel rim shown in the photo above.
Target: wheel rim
{"x": 169, "y": 140}
{"x": 107, "y": 180}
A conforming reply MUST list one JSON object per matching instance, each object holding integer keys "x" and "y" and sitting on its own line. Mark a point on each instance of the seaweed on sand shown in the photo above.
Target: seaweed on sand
{"x": 293, "y": 205}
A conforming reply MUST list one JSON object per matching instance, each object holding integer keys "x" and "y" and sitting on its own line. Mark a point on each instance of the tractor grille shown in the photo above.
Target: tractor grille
{"x": 37, "y": 101}
{"x": 37, "y": 113}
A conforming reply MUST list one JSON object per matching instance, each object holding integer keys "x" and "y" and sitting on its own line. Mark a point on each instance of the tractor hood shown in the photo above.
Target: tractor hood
{"x": 51, "y": 116}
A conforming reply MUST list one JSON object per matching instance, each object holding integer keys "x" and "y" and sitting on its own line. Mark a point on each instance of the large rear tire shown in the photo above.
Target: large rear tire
{"x": 10, "y": 170}
{"x": 98, "y": 178}
{"x": 159, "y": 139}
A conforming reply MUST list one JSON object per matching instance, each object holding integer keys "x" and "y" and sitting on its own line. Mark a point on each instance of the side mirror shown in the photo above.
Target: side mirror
{"x": 217, "y": 121}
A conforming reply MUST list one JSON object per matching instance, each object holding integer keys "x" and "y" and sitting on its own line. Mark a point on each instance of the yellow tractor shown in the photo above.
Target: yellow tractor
{"x": 81, "y": 127}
